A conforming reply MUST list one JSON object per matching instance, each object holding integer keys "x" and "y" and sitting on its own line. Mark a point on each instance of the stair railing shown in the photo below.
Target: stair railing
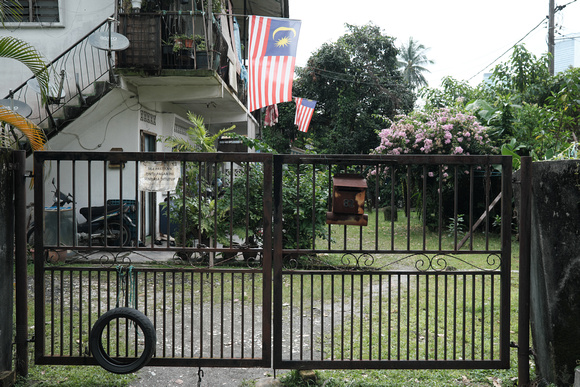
{"x": 72, "y": 74}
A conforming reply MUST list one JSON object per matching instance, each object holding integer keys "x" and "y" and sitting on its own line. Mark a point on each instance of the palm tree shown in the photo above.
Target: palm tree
{"x": 199, "y": 139}
{"x": 13, "y": 48}
{"x": 412, "y": 59}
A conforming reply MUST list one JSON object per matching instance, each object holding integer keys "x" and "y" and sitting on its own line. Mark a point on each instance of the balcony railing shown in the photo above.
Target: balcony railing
{"x": 157, "y": 43}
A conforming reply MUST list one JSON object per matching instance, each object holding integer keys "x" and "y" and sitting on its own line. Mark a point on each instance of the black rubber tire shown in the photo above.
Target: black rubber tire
{"x": 114, "y": 365}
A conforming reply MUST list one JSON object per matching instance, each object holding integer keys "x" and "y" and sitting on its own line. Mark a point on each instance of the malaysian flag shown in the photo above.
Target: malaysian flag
{"x": 271, "y": 60}
{"x": 304, "y": 110}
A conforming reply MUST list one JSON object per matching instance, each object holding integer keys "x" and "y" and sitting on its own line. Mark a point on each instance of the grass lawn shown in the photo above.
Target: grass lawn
{"x": 95, "y": 376}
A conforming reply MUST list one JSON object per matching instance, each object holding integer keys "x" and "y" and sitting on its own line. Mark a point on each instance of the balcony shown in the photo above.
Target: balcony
{"x": 198, "y": 75}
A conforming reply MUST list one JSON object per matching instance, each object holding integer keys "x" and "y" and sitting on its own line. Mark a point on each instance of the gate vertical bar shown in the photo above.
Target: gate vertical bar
{"x": 39, "y": 287}
{"x": 277, "y": 261}
{"x": 21, "y": 277}
{"x": 524, "y": 227}
{"x": 267, "y": 266}
{"x": 506, "y": 215}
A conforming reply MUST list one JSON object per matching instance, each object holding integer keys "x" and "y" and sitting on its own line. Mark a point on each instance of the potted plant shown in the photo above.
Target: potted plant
{"x": 200, "y": 52}
{"x": 200, "y": 43}
{"x": 181, "y": 41}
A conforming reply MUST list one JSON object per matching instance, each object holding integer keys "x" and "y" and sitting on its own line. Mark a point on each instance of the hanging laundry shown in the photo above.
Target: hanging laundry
{"x": 271, "y": 115}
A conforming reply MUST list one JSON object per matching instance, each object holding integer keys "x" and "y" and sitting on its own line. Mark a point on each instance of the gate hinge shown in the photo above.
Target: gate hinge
{"x": 513, "y": 344}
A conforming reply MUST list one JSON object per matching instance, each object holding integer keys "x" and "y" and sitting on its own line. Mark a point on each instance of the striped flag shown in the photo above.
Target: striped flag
{"x": 304, "y": 111}
{"x": 272, "y": 55}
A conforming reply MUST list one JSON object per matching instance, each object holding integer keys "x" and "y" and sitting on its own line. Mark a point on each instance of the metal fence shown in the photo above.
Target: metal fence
{"x": 425, "y": 284}
{"x": 263, "y": 267}
{"x": 206, "y": 292}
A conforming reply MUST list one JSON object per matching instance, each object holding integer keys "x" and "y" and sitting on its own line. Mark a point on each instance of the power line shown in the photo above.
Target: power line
{"x": 557, "y": 9}
{"x": 506, "y": 51}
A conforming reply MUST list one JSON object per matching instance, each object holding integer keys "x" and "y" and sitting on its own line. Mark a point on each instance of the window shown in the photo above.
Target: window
{"x": 32, "y": 11}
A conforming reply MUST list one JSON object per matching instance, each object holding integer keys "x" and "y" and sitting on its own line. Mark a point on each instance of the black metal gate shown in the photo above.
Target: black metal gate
{"x": 208, "y": 297}
{"x": 424, "y": 284}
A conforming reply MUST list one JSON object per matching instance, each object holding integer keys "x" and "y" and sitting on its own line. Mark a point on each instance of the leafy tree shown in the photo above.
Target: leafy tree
{"x": 283, "y": 134}
{"x": 304, "y": 209}
{"x": 528, "y": 111}
{"x": 451, "y": 94}
{"x": 358, "y": 87}
{"x": 413, "y": 59}
{"x": 523, "y": 77}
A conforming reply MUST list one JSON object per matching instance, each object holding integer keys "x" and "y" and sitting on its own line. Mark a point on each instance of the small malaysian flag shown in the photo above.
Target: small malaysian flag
{"x": 304, "y": 111}
{"x": 272, "y": 56}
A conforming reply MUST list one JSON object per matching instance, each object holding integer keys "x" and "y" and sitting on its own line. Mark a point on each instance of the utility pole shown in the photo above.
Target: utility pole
{"x": 551, "y": 38}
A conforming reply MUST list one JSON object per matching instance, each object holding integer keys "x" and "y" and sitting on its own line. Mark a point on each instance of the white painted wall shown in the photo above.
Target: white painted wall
{"x": 78, "y": 17}
{"x": 114, "y": 122}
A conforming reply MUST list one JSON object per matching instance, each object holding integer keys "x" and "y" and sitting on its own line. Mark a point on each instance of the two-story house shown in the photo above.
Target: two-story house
{"x": 126, "y": 73}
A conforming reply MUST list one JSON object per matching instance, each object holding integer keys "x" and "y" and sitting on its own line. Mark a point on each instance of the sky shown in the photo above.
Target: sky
{"x": 463, "y": 36}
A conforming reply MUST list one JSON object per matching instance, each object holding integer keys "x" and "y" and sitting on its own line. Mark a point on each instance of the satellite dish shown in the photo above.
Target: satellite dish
{"x": 52, "y": 88}
{"x": 100, "y": 40}
{"x": 16, "y": 106}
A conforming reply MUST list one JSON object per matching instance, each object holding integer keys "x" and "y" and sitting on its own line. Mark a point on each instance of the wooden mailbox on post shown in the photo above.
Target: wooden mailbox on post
{"x": 348, "y": 198}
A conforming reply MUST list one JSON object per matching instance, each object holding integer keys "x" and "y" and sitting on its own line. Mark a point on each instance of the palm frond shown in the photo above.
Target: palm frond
{"x": 10, "y": 9}
{"x": 33, "y": 133}
{"x": 13, "y": 48}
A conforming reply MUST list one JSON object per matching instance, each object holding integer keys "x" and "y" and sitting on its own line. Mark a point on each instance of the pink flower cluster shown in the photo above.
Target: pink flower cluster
{"x": 442, "y": 131}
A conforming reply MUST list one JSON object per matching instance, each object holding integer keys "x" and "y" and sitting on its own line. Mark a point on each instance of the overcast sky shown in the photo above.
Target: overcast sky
{"x": 464, "y": 36}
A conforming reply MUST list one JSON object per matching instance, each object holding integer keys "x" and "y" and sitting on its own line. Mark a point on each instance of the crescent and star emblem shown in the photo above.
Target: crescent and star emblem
{"x": 284, "y": 41}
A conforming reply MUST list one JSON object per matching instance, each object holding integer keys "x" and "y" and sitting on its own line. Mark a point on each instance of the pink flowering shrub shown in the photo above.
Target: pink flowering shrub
{"x": 442, "y": 131}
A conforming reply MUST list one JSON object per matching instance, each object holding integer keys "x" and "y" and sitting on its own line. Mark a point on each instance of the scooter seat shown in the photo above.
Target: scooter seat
{"x": 97, "y": 211}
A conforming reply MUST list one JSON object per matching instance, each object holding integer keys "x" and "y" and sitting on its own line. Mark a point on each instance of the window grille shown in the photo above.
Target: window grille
{"x": 32, "y": 11}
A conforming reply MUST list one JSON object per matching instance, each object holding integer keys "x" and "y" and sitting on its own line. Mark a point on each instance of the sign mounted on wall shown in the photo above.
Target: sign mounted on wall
{"x": 159, "y": 176}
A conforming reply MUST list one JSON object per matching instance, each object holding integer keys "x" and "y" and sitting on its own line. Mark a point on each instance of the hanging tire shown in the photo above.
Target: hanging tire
{"x": 130, "y": 355}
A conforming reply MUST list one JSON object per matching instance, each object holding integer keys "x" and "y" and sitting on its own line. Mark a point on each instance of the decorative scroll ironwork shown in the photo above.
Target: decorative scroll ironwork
{"x": 121, "y": 258}
{"x": 440, "y": 262}
{"x": 104, "y": 258}
{"x": 365, "y": 261}
{"x": 362, "y": 261}
{"x": 348, "y": 261}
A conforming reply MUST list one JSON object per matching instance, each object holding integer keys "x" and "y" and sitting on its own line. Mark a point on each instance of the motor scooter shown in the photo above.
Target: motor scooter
{"x": 99, "y": 226}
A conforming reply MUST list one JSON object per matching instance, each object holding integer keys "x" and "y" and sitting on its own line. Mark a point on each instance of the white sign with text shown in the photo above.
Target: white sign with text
{"x": 159, "y": 176}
